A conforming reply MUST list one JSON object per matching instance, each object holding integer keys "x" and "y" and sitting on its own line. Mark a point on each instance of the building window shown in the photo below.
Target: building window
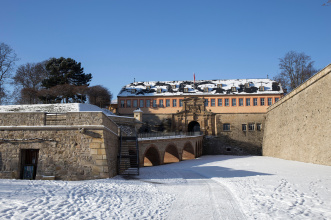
{"x": 185, "y": 89}
{"x": 234, "y": 102}
{"x": 154, "y": 104}
{"x": 122, "y": 105}
{"x": 219, "y": 86}
{"x": 161, "y": 103}
{"x": 244, "y": 127}
{"x": 241, "y": 102}
{"x": 259, "y": 126}
{"x": 251, "y": 126}
{"x": 261, "y": 88}
{"x": 206, "y": 102}
{"x": 219, "y": 102}
{"x": 180, "y": 102}
{"x": 167, "y": 102}
{"x": 133, "y": 90}
{"x": 174, "y": 102}
{"x": 276, "y": 99}
{"x": 173, "y": 86}
{"x": 255, "y": 101}
{"x": 141, "y": 103}
{"x": 148, "y": 87}
{"x": 226, "y": 102}
{"x": 233, "y": 89}
{"x": 205, "y": 89}
{"x": 262, "y": 101}
{"x": 226, "y": 127}
{"x": 269, "y": 101}
{"x": 212, "y": 102}
{"x": 248, "y": 102}
{"x": 135, "y": 103}
{"x": 159, "y": 90}
{"x": 128, "y": 103}
{"x": 148, "y": 103}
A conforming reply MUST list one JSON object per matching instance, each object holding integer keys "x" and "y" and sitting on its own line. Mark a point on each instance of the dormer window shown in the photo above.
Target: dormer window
{"x": 159, "y": 90}
{"x": 148, "y": 87}
{"x": 233, "y": 89}
{"x": 261, "y": 88}
{"x": 173, "y": 86}
{"x": 185, "y": 89}
{"x": 247, "y": 85}
{"x": 205, "y": 89}
{"x": 133, "y": 91}
{"x": 219, "y": 86}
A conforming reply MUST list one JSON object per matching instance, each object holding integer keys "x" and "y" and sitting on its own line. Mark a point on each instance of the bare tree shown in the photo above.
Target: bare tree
{"x": 99, "y": 95}
{"x": 28, "y": 80}
{"x": 7, "y": 62}
{"x": 327, "y": 3}
{"x": 296, "y": 68}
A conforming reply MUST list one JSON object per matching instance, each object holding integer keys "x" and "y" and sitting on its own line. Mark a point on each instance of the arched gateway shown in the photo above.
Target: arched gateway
{"x": 193, "y": 126}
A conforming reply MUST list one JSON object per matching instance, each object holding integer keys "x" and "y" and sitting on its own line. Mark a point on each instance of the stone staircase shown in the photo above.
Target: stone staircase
{"x": 128, "y": 158}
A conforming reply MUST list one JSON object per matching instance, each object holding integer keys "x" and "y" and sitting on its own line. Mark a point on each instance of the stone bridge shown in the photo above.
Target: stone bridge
{"x": 163, "y": 150}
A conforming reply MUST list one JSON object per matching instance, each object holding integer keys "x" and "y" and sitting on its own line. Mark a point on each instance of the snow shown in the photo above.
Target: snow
{"x": 55, "y": 108}
{"x": 141, "y": 87}
{"x": 209, "y": 187}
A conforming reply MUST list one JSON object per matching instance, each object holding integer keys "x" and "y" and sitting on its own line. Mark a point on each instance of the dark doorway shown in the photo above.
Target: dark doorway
{"x": 29, "y": 161}
{"x": 193, "y": 126}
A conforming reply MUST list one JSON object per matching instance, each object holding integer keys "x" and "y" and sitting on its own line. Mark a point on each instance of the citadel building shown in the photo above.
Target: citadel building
{"x": 234, "y": 111}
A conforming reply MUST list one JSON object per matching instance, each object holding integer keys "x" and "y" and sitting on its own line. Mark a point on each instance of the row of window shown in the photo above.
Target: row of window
{"x": 208, "y": 102}
{"x": 244, "y": 127}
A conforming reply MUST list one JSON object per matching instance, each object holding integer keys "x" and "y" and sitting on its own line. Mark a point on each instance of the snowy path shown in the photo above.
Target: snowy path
{"x": 210, "y": 187}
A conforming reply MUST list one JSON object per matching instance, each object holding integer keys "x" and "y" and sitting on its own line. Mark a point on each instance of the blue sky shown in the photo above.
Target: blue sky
{"x": 158, "y": 40}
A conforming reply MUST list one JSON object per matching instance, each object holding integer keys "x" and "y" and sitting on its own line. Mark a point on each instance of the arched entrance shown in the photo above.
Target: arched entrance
{"x": 188, "y": 152}
{"x": 193, "y": 126}
{"x": 151, "y": 157}
{"x": 171, "y": 154}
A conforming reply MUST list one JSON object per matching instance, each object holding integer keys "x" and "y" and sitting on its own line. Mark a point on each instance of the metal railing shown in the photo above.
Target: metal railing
{"x": 168, "y": 134}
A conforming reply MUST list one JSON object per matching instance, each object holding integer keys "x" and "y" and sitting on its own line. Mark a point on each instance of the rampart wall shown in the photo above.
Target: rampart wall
{"x": 298, "y": 126}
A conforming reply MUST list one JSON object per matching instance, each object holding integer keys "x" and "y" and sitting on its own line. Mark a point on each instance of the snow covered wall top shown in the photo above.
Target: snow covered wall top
{"x": 209, "y": 87}
{"x": 54, "y": 108}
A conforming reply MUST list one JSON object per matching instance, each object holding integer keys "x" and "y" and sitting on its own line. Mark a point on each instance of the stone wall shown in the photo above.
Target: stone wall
{"x": 84, "y": 148}
{"x": 298, "y": 126}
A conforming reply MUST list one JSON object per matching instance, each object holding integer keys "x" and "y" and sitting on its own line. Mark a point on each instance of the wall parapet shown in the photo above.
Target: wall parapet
{"x": 318, "y": 76}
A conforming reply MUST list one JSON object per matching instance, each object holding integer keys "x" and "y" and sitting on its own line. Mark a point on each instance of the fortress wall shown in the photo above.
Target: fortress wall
{"x": 298, "y": 127}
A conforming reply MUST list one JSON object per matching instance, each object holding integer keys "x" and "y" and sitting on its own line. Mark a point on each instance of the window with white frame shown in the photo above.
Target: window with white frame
{"x": 185, "y": 89}
{"x": 159, "y": 90}
{"x": 206, "y": 102}
{"x": 135, "y": 103}
{"x": 141, "y": 103}
{"x": 241, "y": 102}
{"x": 248, "y": 102}
{"x": 226, "y": 127}
{"x": 251, "y": 126}
{"x": 226, "y": 102}
{"x": 180, "y": 102}
{"x": 212, "y": 102}
{"x": 167, "y": 102}
{"x": 148, "y": 103}
{"x": 234, "y": 102}
{"x": 122, "y": 104}
{"x": 255, "y": 101}
{"x": 174, "y": 102}
{"x": 154, "y": 104}
{"x": 219, "y": 102}
{"x": 128, "y": 103}
{"x": 269, "y": 101}
{"x": 161, "y": 103}
{"x": 261, "y": 101}
{"x": 259, "y": 126}
{"x": 244, "y": 127}
{"x": 276, "y": 99}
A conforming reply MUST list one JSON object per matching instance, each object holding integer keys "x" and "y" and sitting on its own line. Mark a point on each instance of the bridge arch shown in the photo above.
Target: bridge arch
{"x": 151, "y": 157}
{"x": 188, "y": 151}
{"x": 171, "y": 154}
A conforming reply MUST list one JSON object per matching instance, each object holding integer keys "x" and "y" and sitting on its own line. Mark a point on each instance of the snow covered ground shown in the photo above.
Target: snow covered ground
{"x": 210, "y": 187}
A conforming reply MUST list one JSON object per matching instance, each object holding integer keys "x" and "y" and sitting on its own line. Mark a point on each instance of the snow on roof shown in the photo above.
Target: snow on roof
{"x": 55, "y": 108}
{"x": 209, "y": 87}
